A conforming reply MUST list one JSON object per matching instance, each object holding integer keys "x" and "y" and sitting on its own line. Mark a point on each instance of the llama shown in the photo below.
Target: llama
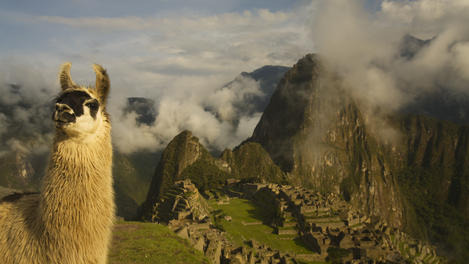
{"x": 70, "y": 220}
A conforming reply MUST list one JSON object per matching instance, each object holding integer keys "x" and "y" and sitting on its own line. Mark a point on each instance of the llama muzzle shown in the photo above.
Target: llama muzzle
{"x": 63, "y": 114}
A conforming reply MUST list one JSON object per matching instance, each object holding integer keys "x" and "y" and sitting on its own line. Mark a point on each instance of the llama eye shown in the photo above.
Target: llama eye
{"x": 93, "y": 105}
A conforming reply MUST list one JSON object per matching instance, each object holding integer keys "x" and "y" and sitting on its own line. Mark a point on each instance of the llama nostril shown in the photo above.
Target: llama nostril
{"x": 67, "y": 117}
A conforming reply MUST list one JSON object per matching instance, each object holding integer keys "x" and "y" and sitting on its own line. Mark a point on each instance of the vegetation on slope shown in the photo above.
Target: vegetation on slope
{"x": 141, "y": 243}
{"x": 8, "y": 171}
{"x": 251, "y": 162}
{"x": 429, "y": 217}
{"x": 205, "y": 175}
{"x": 132, "y": 173}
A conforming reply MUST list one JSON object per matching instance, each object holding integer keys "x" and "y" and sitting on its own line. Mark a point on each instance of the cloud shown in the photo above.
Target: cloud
{"x": 215, "y": 116}
{"x": 236, "y": 21}
{"x": 25, "y": 111}
{"x": 181, "y": 61}
{"x": 426, "y": 16}
{"x": 232, "y": 101}
{"x": 364, "y": 48}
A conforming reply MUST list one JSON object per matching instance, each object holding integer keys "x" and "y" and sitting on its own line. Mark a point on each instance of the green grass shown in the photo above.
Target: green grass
{"x": 245, "y": 211}
{"x": 139, "y": 243}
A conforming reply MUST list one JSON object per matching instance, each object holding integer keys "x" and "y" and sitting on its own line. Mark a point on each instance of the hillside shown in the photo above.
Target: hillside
{"x": 140, "y": 243}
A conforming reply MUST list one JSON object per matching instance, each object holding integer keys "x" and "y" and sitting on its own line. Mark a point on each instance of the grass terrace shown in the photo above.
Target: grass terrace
{"x": 248, "y": 223}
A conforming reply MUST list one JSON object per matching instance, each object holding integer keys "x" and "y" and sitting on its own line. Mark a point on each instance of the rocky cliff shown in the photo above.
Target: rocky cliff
{"x": 251, "y": 162}
{"x": 180, "y": 153}
{"x": 403, "y": 168}
{"x": 320, "y": 136}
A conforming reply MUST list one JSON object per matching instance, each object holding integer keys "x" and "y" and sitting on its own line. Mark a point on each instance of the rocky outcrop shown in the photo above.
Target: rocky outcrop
{"x": 180, "y": 153}
{"x": 182, "y": 201}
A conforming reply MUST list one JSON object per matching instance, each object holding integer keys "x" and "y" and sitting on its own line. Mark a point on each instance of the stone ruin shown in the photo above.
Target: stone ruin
{"x": 186, "y": 212}
{"x": 181, "y": 202}
{"x": 329, "y": 226}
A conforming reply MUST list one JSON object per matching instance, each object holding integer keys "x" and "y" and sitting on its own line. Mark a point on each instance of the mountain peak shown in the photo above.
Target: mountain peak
{"x": 411, "y": 45}
{"x": 143, "y": 107}
{"x": 180, "y": 153}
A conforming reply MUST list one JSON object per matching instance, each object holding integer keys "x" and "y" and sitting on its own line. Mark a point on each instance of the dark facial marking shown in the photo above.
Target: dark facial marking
{"x": 93, "y": 106}
{"x": 75, "y": 100}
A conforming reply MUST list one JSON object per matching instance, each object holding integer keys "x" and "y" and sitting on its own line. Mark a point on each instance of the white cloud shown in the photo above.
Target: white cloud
{"x": 226, "y": 102}
{"x": 179, "y": 62}
{"x": 426, "y": 17}
{"x": 364, "y": 48}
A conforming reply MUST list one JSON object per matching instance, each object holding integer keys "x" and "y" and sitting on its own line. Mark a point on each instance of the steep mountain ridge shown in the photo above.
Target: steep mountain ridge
{"x": 321, "y": 138}
{"x": 409, "y": 170}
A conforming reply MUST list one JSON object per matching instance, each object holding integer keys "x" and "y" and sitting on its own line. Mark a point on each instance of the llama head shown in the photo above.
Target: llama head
{"x": 81, "y": 111}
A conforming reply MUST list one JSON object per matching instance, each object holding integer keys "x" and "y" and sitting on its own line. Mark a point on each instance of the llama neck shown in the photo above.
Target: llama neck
{"x": 77, "y": 190}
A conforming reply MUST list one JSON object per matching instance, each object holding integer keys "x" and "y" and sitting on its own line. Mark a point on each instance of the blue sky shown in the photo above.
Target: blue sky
{"x": 22, "y": 33}
{"x": 110, "y": 8}
{"x": 24, "y": 23}
{"x": 158, "y": 39}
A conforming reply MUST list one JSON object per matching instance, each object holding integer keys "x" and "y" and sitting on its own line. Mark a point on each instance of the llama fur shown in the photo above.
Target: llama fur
{"x": 71, "y": 219}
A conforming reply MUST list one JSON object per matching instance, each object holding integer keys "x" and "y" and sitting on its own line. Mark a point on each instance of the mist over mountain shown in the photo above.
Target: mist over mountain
{"x": 26, "y": 128}
{"x": 144, "y": 108}
{"x": 411, "y": 46}
{"x": 246, "y": 96}
{"x": 222, "y": 116}
{"x": 366, "y": 50}
{"x": 25, "y": 119}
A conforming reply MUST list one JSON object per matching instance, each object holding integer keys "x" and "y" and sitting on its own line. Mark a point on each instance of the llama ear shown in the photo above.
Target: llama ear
{"x": 102, "y": 82}
{"x": 64, "y": 76}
